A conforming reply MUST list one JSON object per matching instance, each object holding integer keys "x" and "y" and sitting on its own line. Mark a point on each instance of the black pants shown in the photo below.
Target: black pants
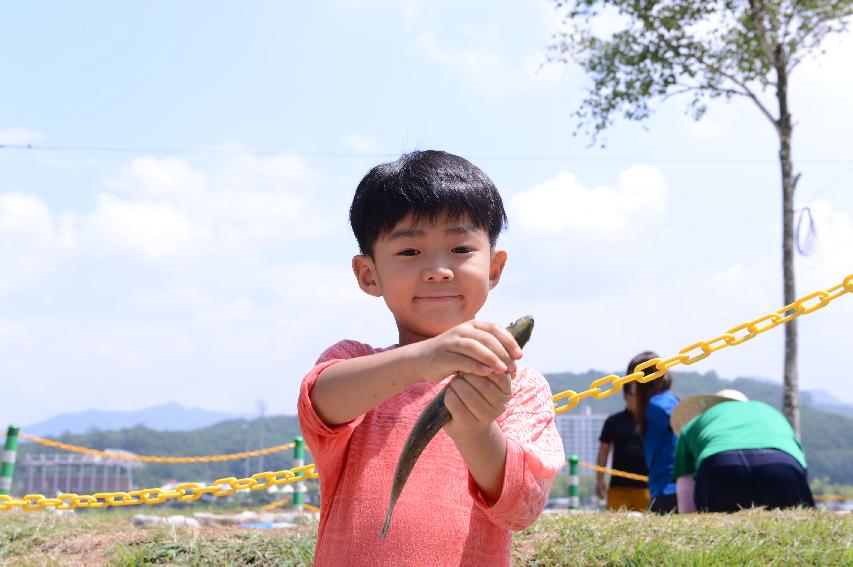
{"x": 664, "y": 504}
{"x": 732, "y": 480}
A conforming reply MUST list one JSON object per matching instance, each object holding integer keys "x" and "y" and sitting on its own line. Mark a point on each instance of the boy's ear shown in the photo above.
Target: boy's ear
{"x": 365, "y": 272}
{"x": 496, "y": 267}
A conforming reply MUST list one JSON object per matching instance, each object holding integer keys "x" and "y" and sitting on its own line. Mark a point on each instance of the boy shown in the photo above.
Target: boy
{"x": 427, "y": 225}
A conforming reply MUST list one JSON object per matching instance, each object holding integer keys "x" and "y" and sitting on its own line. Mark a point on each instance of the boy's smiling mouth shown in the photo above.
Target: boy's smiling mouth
{"x": 437, "y": 298}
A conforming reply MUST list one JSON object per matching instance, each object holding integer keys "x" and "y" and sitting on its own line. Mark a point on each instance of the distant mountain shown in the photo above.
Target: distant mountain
{"x": 231, "y": 436}
{"x": 827, "y": 402}
{"x": 165, "y": 417}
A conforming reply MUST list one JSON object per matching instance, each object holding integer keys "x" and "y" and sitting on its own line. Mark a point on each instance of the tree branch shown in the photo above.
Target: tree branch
{"x": 768, "y": 45}
{"x": 825, "y": 19}
{"x": 746, "y": 91}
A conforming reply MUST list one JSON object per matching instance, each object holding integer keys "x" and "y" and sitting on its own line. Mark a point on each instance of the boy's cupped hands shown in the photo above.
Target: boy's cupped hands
{"x": 474, "y": 347}
{"x": 482, "y": 355}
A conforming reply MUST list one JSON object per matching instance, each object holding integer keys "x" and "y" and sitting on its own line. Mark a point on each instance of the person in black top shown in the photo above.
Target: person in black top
{"x": 620, "y": 433}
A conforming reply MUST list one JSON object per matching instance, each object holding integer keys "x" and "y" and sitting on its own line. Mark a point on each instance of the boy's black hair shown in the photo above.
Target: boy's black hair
{"x": 426, "y": 184}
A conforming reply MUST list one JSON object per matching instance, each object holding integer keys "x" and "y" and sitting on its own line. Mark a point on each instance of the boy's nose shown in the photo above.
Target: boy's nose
{"x": 438, "y": 273}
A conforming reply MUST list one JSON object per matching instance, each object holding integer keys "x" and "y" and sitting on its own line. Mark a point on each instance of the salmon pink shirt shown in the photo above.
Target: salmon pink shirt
{"x": 440, "y": 518}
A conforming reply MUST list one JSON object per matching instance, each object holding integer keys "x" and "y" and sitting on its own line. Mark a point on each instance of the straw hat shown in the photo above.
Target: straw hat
{"x": 691, "y": 406}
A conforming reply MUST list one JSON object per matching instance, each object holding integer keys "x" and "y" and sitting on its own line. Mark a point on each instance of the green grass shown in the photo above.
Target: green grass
{"x": 237, "y": 547}
{"x": 755, "y": 537}
{"x": 752, "y": 537}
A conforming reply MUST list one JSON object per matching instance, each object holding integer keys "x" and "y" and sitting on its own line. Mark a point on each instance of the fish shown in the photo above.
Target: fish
{"x": 432, "y": 419}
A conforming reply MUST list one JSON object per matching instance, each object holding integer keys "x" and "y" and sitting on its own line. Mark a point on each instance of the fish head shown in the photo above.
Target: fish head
{"x": 521, "y": 329}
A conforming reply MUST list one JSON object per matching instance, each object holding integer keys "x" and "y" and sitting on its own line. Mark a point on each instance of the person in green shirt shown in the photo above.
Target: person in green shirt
{"x": 733, "y": 453}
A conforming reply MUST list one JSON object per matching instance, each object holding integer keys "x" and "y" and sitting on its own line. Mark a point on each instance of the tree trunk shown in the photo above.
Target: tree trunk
{"x": 791, "y": 395}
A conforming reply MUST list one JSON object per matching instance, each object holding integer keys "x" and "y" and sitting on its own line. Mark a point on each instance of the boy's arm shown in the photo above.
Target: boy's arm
{"x": 532, "y": 458}
{"x": 485, "y": 455}
{"x": 352, "y": 387}
{"x": 474, "y": 403}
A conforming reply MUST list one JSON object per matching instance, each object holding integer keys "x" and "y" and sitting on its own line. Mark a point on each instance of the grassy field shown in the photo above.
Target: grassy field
{"x": 752, "y": 537}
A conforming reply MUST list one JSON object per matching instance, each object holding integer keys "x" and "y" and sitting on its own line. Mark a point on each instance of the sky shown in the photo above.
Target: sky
{"x": 178, "y": 229}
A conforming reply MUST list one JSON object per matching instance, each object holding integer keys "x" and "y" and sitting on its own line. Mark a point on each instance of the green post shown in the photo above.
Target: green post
{"x": 8, "y": 466}
{"x": 298, "y": 461}
{"x": 574, "y": 483}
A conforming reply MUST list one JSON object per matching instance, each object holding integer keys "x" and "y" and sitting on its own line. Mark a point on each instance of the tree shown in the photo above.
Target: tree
{"x": 707, "y": 49}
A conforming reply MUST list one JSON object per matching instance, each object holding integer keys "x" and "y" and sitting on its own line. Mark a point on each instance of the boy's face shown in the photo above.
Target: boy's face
{"x": 433, "y": 276}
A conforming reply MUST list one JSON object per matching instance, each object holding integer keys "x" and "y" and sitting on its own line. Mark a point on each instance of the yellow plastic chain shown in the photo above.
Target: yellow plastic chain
{"x": 185, "y": 492}
{"x": 146, "y": 459}
{"x": 703, "y": 349}
{"x": 614, "y": 472}
{"x": 287, "y": 501}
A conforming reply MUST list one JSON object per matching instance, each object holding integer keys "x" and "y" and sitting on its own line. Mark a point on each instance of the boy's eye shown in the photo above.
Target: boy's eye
{"x": 409, "y": 252}
{"x": 463, "y": 250}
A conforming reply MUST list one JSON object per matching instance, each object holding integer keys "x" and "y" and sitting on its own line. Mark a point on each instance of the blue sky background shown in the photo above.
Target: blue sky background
{"x": 190, "y": 241}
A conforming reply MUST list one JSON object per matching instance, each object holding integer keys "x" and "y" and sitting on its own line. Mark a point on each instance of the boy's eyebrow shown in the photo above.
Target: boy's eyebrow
{"x": 405, "y": 233}
{"x": 414, "y": 232}
{"x": 461, "y": 229}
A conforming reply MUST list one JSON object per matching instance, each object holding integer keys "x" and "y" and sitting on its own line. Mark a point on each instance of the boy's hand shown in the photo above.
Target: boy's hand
{"x": 474, "y": 402}
{"x": 474, "y": 347}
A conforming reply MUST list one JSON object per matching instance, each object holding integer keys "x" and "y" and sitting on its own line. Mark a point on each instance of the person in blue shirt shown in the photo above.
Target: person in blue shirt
{"x": 655, "y": 403}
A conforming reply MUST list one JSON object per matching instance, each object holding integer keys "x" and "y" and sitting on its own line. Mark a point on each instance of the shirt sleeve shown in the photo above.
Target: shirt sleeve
{"x": 607, "y": 431}
{"x": 658, "y": 414}
{"x": 327, "y": 443}
{"x": 534, "y": 454}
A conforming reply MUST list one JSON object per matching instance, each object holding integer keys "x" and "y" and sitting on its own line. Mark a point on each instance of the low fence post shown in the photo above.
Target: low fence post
{"x": 298, "y": 461}
{"x": 574, "y": 483}
{"x": 7, "y": 469}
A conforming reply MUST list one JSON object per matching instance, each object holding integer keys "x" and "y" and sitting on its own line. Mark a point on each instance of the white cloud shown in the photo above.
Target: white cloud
{"x": 168, "y": 211}
{"x": 712, "y": 126}
{"x": 32, "y": 240}
{"x": 279, "y": 173}
{"x": 25, "y": 216}
{"x": 155, "y": 229}
{"x": 167, "y": 177}
{"x": 208, "y": 284}
{"x": 827, "y": 68}
{"x": 362, "y": 144}
{"x": 412, "y": 9}
{"x": 564, "y": 204}
{"x": 244, "y": 205}
{"x": 489, "y": 72}
{"x": 412, "y": 13}
{"x": 19, "y": 136}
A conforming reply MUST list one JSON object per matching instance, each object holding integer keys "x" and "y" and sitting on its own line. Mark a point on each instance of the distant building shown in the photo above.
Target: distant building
{"x": 580, "y": 432}
{"x": 54, "y": 473}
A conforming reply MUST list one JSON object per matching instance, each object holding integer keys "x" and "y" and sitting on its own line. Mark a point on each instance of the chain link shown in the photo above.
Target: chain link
{"x": 147, "y": 459}
{"x": 568, "y": 400}
{"x": 287, "y": 501}
{"x": 614, "y": 472}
